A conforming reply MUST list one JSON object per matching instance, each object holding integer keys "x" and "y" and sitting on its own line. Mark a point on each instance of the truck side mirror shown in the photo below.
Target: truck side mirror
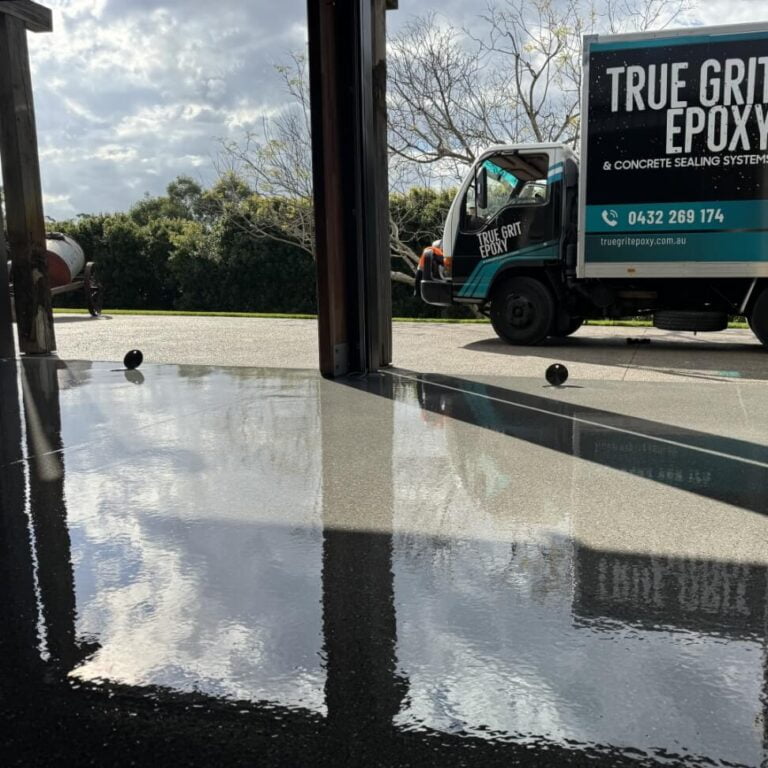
{"x": 481, "y": 186}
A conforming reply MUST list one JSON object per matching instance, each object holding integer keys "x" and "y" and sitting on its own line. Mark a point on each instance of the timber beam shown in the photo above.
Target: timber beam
{"x": 36, "y": 17}
{"x": 7, "y": 348}
{"x": 349, "y": 158}
{"x": 21, "y": 179}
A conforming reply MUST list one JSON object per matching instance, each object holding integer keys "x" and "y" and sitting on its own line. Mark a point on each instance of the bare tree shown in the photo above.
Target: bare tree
{"x": 516, "y": 78}
{"x": 277, "y": 166}
{"x": 439, "y": 105}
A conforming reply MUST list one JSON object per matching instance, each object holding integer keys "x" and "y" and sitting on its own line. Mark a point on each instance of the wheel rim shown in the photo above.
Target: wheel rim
{"x": 519, "y": 311}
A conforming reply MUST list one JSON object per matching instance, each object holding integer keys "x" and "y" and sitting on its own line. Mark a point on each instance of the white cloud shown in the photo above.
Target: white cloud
{"x": 129, "y": 95}
{"x": 198, "y": 594}
{"x": 730, "y": 12}
{"x": 59, "y": 202}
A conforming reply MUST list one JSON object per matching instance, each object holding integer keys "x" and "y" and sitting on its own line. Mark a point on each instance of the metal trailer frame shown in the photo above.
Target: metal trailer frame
{"x": 86, "y": 281}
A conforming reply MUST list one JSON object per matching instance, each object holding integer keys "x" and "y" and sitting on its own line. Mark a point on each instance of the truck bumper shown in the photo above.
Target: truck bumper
{"x": 436, "y": 292}
{"x": 429, "y": 284}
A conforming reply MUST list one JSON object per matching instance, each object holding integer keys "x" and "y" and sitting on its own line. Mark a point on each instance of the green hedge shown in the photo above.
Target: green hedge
{"x": 182, "y": 252}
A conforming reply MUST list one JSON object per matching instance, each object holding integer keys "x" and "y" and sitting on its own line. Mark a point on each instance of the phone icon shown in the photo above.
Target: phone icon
{"x": 610, "y": 217}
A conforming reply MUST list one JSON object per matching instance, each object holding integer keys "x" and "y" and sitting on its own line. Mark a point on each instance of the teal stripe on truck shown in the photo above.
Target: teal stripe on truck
{"x": 714, "y": 215}
{"x": 555, "y": 173}
{"x": 478, "y": 284}
{"x": 663, "y": 42}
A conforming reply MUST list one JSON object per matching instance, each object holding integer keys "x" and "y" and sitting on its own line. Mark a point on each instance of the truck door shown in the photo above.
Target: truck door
{"x": 510, "y": 214}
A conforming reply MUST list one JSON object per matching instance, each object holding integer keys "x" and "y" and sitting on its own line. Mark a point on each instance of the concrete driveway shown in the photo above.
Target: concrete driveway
{"x": 594, "y": 353}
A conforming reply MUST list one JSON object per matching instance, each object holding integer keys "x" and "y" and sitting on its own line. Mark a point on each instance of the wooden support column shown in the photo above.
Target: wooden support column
{"x": 329, "y": 234}
{"x": 382, "y": 166}
{"x": 21, "y": 177}
{"x": 7, "y": 348}
{"x": 347, "y": 92}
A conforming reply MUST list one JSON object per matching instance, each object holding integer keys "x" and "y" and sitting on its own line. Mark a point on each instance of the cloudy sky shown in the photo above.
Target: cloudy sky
{"x": 131, "y": 93}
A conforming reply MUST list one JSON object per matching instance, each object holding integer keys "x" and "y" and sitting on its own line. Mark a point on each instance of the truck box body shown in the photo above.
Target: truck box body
{"x": 674, "y": 156}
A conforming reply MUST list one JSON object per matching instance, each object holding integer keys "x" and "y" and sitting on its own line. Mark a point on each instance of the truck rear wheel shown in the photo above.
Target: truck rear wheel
{"x": 522, "y": 311}
{"x": 758, "y": 317}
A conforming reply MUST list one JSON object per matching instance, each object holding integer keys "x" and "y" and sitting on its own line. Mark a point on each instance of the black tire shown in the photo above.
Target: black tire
{"x": 522, "y": 311}
{"x": 95, "y": 300}
{"x": 568, "y": 326}
{"x": 690, "y": 320}
{"x": 94, "y": 291}
{"x": 758, "y": 317}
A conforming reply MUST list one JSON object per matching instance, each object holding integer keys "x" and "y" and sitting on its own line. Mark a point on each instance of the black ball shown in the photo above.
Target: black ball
{"x": 133, "y": 359}
{"x": 557, "y": 374}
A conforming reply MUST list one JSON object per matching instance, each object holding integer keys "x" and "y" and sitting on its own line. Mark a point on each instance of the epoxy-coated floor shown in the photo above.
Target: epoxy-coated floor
{"x": 212, "y": 566}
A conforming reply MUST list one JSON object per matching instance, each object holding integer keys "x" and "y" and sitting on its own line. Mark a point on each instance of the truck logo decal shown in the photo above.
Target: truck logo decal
{"x": 494, "y": 241}
{"x": 724, "y": 86}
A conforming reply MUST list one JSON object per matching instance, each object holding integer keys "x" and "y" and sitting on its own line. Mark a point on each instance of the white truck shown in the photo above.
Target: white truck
{"x": 664, "y": 213}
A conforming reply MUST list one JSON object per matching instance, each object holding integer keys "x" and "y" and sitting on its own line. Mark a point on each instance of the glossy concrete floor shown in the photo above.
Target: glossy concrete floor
{"x": 237, "y": 566}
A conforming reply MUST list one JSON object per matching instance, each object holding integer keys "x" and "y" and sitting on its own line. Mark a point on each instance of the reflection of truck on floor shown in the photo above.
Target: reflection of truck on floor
{"x": 691, "y": 587}
{"x": 664, "y": 214}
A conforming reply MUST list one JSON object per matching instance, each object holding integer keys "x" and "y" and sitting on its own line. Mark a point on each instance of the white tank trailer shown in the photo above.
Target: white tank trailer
{"x": 65, "y": 259}
{"x": 68, "y": 270}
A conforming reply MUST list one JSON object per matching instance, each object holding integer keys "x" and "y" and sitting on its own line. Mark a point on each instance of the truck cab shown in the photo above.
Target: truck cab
{"x": 515, "y": 215}
{"x": 511, "y": 243}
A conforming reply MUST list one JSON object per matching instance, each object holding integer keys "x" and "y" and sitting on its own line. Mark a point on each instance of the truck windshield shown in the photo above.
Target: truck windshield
{"x": 499, "y": 175}
{"x": 514, "y": 179}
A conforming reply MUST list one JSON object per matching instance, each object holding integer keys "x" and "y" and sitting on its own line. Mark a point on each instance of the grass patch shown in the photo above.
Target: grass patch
{"x": 631, "y": 323}
{"x": 455, "y": 320}
{"x": 628, "y": 323}
{"x": 183, "y": 313}
{"x": 272, "y": 315}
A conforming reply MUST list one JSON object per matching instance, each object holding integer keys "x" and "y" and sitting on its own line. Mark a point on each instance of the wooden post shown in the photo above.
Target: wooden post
{"x": 347, "y": 94}
{"x": 7, "y": 348}
{"x": 329, "y": 225}
{"x": 380, "y": 7}
{"x": 21, "y": 178}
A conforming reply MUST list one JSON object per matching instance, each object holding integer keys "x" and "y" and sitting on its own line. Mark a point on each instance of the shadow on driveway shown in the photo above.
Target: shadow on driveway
{"x": 676, "y": 354}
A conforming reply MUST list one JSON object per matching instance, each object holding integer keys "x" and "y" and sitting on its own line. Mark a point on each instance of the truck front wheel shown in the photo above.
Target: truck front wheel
{"x": 567, "y": 325}
{"x": 758, "y": 317}
{"x": 522, "y": 311}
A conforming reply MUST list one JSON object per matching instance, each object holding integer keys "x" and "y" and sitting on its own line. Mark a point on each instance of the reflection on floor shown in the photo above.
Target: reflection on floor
{"x": 208, "y": 566}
